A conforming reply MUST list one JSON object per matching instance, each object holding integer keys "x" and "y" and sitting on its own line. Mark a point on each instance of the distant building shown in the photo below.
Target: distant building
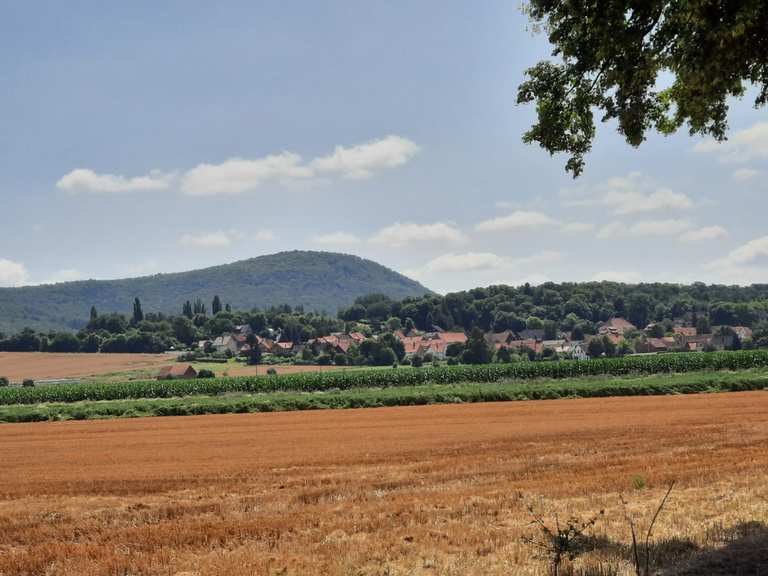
{"x": 616, "y": 326}
{"x": 177, "y": 371}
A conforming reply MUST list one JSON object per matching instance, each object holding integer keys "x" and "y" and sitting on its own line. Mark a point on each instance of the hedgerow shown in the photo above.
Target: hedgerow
{"x": 384, "y": 378}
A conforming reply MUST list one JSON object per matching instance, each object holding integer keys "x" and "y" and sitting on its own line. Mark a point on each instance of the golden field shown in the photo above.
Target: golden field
{"x": 392, "y": 491}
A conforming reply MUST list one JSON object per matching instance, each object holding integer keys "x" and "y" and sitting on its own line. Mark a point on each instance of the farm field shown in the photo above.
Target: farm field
{"x": 48, "y": 365}
{"x": 118, "y": 367}
{"x": 415, "y": 490}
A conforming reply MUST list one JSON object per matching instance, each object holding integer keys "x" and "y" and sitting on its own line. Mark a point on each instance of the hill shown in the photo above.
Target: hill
{"x": 321, "y": 281}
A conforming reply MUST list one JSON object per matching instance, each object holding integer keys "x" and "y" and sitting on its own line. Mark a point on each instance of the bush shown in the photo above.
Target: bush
{"x": 324, "y": 360}
{"x": 271, "y": 372}
{"x": 28, "y": 383}
{"x": 4, "y": 381}
{"x": 417, "y": 361}
{"x": 206, "y": 374}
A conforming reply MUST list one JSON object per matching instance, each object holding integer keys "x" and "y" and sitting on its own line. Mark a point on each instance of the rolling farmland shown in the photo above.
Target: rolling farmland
{"x": 421, "y": 490}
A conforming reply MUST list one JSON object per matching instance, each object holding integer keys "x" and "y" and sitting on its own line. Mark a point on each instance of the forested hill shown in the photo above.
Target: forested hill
{"x": 566, "y": 305}
{"x": 320, "y": 281}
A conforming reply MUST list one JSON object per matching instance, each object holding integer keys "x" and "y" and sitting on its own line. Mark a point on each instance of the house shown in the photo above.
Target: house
{"x": 436, "y": 347}
{"x": 531, "y": 334}
{"x": 529, "y": 344}
{"x": 412, "y": 345}
{"x": 282, "y": 348}
{"x": 693, "y": 343}
{"x": 451, "y": 337}
{"x": 575, "y": 350}
{"x": 653, "y": 345}
{"x": 553, "y": 344}
{"x": 684, "y": 330}
{"x": 578, "y": 351}
{"x": 618, "y": 326}
{"x": 228, "y": 342}
{"x": 743, "y": 332}
{"x": 177, "y": 371}
{"x": 494, "y": 338}
{"x": 243, "y": 329}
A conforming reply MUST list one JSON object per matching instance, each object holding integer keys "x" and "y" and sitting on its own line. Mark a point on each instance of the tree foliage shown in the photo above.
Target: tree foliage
{"x": 615, "y": 57}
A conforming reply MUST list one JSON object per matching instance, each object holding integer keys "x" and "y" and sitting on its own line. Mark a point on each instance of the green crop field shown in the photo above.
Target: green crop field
{"x": 688, "y": 383}
{"x": 387, "y": 377}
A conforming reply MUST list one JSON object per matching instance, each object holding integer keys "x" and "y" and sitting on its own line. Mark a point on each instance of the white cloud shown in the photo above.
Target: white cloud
{"x": 611, "y": 230}
{"x": 223, "y": 239}
{"x": 538, "y": 258}
{"x": 746, "y": 264}
{"x": 12, "y": 273}
{"x": 632, "y": 202}
{"x": 659, "y": 227}
{"x": 88, "y": 181}
{"x": 467, "y": 261}
{"x": 362, "y": 160}
{"x": 517, "y": 220}
{"x": 406, "y": 233}
{"x": 742, "y": 146}
{"x": 748, "y": 253}
{"x": 706, "y": 233}
{"x": 336, "y": 239}
{"x": 631, "y": 194}
{"x": 238, "y": 175}
{"x": 745, "y": 174}
{"x": 67, "y": 275}
{"x": 671, "y": 227}
{"x": 577, "y": 227}
{"x": 625, "y": 276}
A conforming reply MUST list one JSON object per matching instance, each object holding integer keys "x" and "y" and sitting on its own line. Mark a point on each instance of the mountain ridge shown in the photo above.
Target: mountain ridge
{"x": 321, "y": 281}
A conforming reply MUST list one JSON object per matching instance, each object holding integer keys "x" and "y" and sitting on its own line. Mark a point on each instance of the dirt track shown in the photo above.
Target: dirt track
{"x": 421, "y": 490}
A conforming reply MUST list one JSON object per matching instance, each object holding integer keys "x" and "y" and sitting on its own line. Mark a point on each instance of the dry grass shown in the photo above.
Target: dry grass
{"x": 396, "y": 491}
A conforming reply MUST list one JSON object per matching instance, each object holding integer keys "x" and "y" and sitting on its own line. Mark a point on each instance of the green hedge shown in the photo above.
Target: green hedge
{"x": 388, "y": 377}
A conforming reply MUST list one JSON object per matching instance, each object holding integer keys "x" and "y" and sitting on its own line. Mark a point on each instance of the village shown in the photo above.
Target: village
{"x": 615, "y": 337}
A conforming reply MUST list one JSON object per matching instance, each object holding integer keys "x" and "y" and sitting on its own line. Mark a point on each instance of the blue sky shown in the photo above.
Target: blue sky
{"x": 149, "y": 137}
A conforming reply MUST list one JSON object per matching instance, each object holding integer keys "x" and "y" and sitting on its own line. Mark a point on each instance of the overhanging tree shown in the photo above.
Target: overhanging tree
{"x": 612, "y": 55}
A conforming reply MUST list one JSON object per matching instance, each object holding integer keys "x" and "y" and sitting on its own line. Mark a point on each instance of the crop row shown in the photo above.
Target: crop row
{"x": 388, "y": 377}
{"x": 376, "y": 397}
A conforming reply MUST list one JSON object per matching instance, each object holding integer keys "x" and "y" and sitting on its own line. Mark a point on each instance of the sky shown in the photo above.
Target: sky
{"x": 144, "y": 137}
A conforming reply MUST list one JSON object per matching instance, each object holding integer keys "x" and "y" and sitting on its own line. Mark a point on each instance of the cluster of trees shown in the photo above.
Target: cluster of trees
{"x": 567, "y": 306}
{"x": 149, "y": 332}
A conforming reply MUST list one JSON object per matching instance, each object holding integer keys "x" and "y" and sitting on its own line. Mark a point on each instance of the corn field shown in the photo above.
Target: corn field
{"x": 388, "y": 377}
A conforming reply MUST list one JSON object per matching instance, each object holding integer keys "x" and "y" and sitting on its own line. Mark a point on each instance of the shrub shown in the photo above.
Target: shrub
{"x": 206, "y": 374}
{"x": 4, "y": 381}
{"x": 271, "y": 372}
{"x": 28, "y": 383}
{"x": 417, "y": 362}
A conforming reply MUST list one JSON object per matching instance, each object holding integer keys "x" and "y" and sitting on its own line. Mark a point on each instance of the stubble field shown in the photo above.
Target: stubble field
{"x": 415, "y": 490}
{"x": 48, "y": 365}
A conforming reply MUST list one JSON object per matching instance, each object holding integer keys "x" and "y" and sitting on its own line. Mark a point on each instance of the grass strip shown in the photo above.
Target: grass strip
{"x": 401, "y": 396}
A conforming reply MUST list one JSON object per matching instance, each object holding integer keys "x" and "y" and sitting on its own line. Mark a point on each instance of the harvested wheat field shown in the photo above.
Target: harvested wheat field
{"x": 416, "y": 491}
{"x": 48, "y": 365}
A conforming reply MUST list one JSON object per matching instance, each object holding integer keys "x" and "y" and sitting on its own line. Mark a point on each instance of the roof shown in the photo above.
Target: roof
{"x": 499, "y": 337}
{"x": 450, "y": 337}
{"x": 619, "y": 324}
{"x": 284, "y": 345}
{"x": 684, "y": 330}
{"x": 657, "y": 343}
{"x": 175, "y": 370}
